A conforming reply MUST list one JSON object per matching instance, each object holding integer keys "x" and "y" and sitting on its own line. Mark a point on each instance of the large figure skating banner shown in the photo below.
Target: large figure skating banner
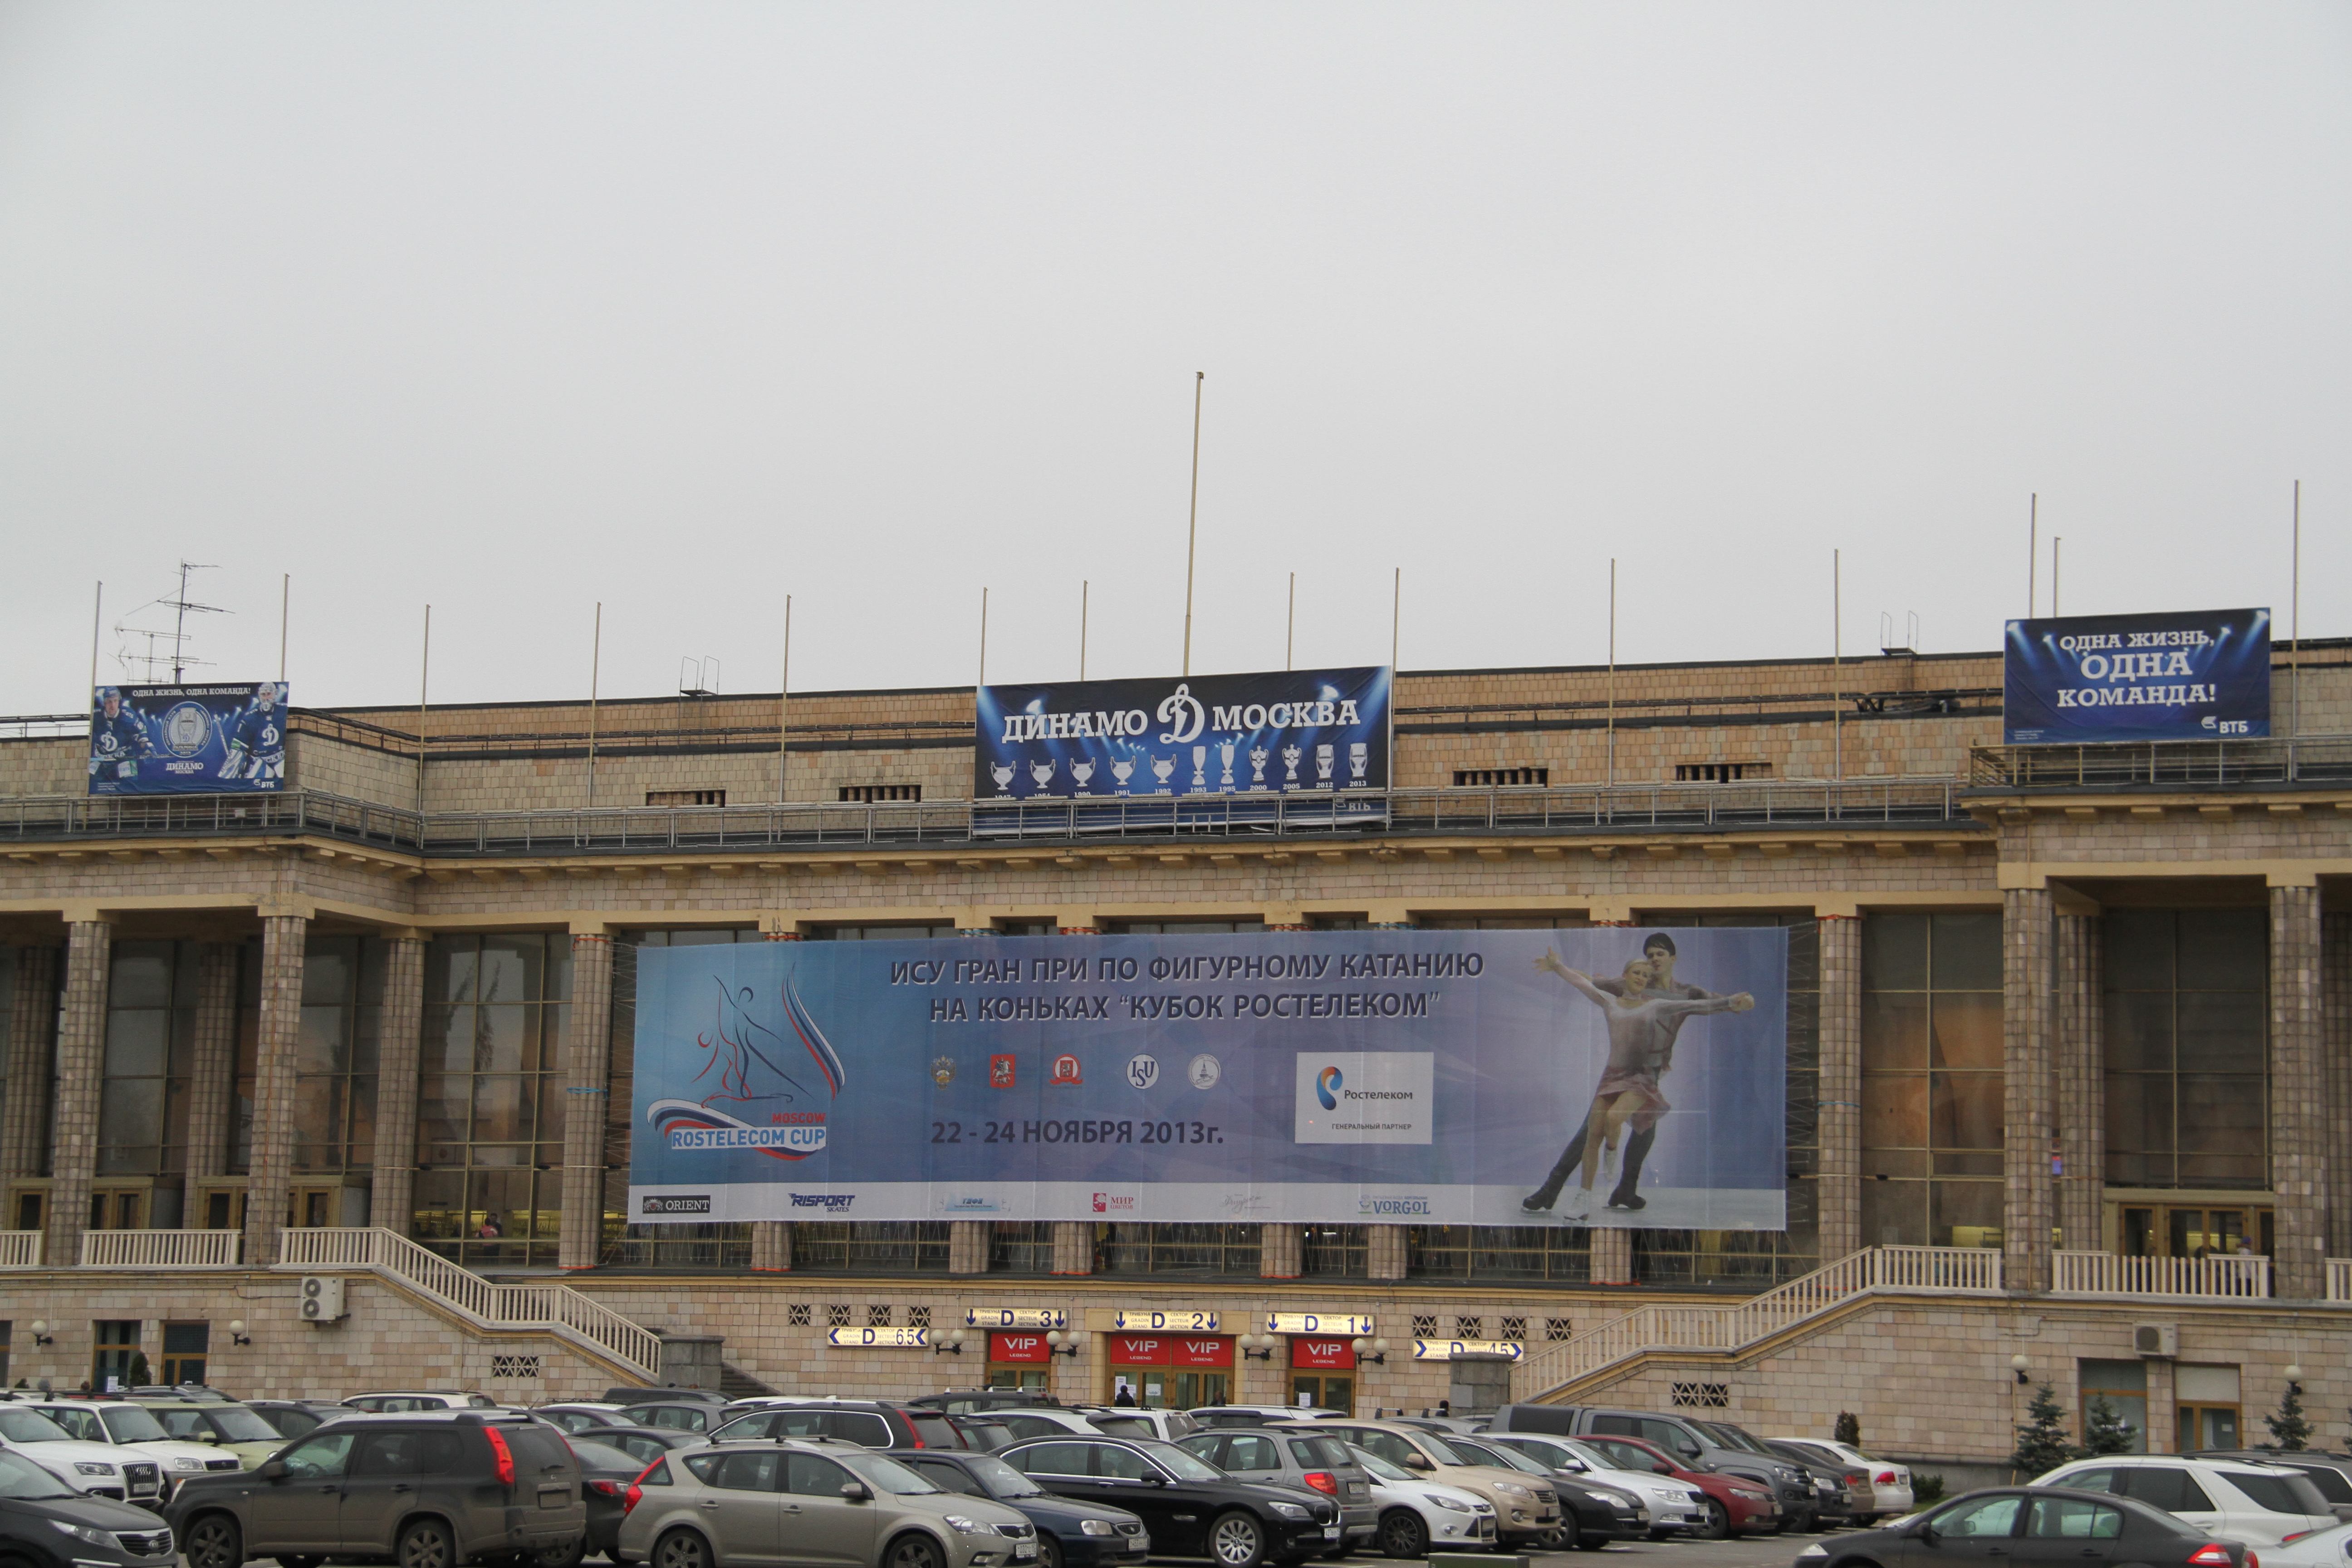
{"x": 1607, "y": 1077}
{"x": 188, "y": 740}
{"x": 1290, "y": 733}
{"x": 2190, "y": 675}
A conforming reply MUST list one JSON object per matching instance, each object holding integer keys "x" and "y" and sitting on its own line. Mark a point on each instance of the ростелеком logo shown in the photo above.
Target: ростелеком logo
{"x": 1327, "y": 1088}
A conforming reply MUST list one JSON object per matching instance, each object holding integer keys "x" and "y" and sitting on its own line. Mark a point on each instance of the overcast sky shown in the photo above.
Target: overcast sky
{"x": 684, "y": 308}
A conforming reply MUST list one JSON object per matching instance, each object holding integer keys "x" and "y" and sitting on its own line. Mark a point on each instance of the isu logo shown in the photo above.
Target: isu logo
{"x": 999, "y": 1072}
{"x": 1066, "y": 1070}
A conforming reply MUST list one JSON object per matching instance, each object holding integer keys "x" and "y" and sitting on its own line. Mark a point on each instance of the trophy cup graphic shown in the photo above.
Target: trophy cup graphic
{"x": 1257, "y": 767}
{"x": 1003, "y": 774}
{"x": 1084, "y": 771}
{"x": 1161, "y": 767}
{"x": 1043, "y": 772}
{"x": 1358, "y": 757}
{"x": 1122, "y": 770}
{"x": 1323, "y": 766}
{"x": 1199, "y": 769}
{"x": 1225, "y": 752}
{"x": 1290, "y": 756}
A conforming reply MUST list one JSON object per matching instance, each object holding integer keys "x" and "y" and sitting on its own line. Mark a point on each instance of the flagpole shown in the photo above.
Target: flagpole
{"x": 424, "y": 685}
{"x": 1613, "y": 669}
{"x": 784, "y": 701}
{"x": 1085, "y": 588}
{"x": 1192, "y": 528}
{"x": 595, "y": 669}
{"x": 285, "y": 610}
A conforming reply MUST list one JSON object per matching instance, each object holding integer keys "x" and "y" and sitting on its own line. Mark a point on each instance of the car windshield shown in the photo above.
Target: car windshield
{"x": 884, "y": 1475}
{"x": 2279, "y": 1494}
{"x": 128, "y": 1424}
{"x": 1733, "y": 1437}
{"x": 1604, "y": 1460}
{"x": 1125, "y": 1426}
{"x": 1501, "y": 1454}
{"x": 1001, "y": 1479}
{"x": 236, "y": 1423}
{"x": 31, "y": 1427}
{"x": 1378, "y": 1466}
{"x": 1181, "y": 1463}
{"x": 27, "y": 1482}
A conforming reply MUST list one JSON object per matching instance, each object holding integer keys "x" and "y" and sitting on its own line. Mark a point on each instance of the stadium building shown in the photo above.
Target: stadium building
{"x": 2069, "y": 1056}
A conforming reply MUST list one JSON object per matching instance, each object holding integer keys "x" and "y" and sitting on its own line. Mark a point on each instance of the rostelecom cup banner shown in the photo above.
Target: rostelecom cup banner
{"x": 1621, "y": 1076}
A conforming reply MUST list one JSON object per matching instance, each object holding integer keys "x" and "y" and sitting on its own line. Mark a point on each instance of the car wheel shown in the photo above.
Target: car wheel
{"x": 213, "y": 1541}
{"x": 1237, "y": 1541}
{"x": 297, "y": 1559}
{"x": 425, "y": 1544}
{"x": 568, "y": 1555}
{"x": 1049, "y": 1551}
{"x": 1593, "y": 1543}
{"x": 912, "y": 1551}
{"x": 681, "y": 1549}
{"x": 1718, "y": 1522}
{"x": 1660, "y": 1534}
{"x": 1402, "y": 1534}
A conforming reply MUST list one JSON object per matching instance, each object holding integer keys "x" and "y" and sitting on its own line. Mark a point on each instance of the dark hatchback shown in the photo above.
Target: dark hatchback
{"x": 1192, "y": 1507}
{"x": 607, "y": 1473}
{"x": 1070, "y": 1533}
{"x": 2031, "y": 1527}
{"x": 868, "y": 1422}
{"x": 45, "y": 1524}
{"x": 428, "y": 1489}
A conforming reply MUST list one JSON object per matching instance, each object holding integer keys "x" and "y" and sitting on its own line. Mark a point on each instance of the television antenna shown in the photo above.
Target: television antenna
{"x": 181, "y": 607}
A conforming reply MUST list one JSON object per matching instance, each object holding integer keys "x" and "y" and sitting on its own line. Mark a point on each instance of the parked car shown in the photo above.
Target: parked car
{"x": 405, "y": 1401}
{"x": 426, "y": 1488}
{"x": 868, "y": 1422}
{"x": 606, "y": 1474}
{"x": 93, "y": 1469}
{"x": 1832, "y": 1505}
{"x": 981, "y": 1401}
{"x": 131, "y": 1430}
{"x": 738, "y": 1503}
{"x": 1302, "y": 1456}
{"x": 1259, "y": 1414}
{"x": 1043, "y": 1422}
{"x": 1882, "y": 1489}
{"x": 1593, "y": 1513}
{"x": 1736, "y": 1505}
{"x": 1688, "y": 1442}
{"x": 698, "y": 1416}
{"x": 1413, "y": 1514}
{"x": 622, "y": 1398}
{"x": 1833, "y": 1484}
{"x": 1192, "y": 1507}
{"x": 47, "y": 1523}
{"x": 1526, "y": 1511}
{"x": 2032, "y": 1526}
{"x": 578, "y": 1419}
{"x": 296, "y": 1417}
{"x": 240, "y": 1431}
{"x": 1070, "y": 1535}
{"x": 983, "y": 1434}
{"x": 647, "y": 1444}
{"x": 1674, "y": 1508}
{"x": 2331, "y": 1473}
{"x": 2321, "y": 1548}
{"x": 1120, "y": 1421}
{"x": 2261, "y": 1505}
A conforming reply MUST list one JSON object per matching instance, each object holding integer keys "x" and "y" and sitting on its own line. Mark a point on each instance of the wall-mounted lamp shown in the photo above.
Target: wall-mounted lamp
{"x": 948, "y": 1343}
{"x": 2018, "y": 1364}
{"x": 41, "y": 1335}
{"x": 2294, "y": 1380}
{"x": 1373, "y": 1352}
{"x": 1060, "y": 1343}
{"x": 1257, "y": 1347}
{"x": 237, "y": 1333}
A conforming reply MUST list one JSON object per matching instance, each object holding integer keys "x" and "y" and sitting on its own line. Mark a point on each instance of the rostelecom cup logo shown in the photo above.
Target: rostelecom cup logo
{"x": 1327, "y": 1088}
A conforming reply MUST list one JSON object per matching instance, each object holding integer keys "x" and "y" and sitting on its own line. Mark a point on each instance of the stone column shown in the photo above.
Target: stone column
{"x": 272, "y": 1164}
{"x": 588, "y": 1055}
{"x": 772, "y": 1247}
{"x": 81, "y": 1058}
{"x": 2336, "y": 1047}
{"x": 2081, "y": 1074}
{"x": 1613, "y": 1256}
{"x": 2028, "y": 1097}
{"x": 2298, "y": 1095}
{"x": 967, "y": 1247}
{"x": 1385, "y": 1251}
{"x": 399, "y": 1070}
{"x": 1281, "y": 1252}
{"x": 1074, "y": 1246}
{"x": 32, "y": 1067}
{"x": 1840, "y": 1179}
{"x": 211, "y": 1069}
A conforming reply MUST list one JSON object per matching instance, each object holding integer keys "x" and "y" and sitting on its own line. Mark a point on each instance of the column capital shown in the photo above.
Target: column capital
{"x": 589, "y": 925}
{"x": 276, "y": 909}
{"x": 404, "y": 933}
{"x": 778, "y": 927}
{"x": 1610, "y": 912}
{"x": 88, "y": 915}
{"x": 2291, "y": 877}
{"x": 1391, "y": 912}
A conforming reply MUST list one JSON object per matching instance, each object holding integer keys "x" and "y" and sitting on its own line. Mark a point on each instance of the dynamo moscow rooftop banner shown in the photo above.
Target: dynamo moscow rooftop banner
{"x": 2189, "y": 675}
{"x": 188, "y": 740}
{"x": 1618, "y": 1076}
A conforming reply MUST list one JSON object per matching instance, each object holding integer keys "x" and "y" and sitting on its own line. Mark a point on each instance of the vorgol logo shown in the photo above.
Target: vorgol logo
{"x": 1327, "y": 1088}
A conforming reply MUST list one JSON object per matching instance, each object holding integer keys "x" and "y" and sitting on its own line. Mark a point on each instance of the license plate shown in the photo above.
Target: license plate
{"x": 1025, "y": 1549}
{"x": 1331, "y": 1533}
{"x": 555, "y": 1497}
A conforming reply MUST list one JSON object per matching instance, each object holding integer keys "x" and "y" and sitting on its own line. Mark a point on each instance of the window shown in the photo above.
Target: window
{"x": 1559, "y": 1329}
{"x": 2206, "y": 1399}
{"x": 870, "y": 1246}
{"x": 2073, "y": 1518}
{"x": 1931, "y": 1079}
{"x": 1503, "y": 922}
{"x": 1986, "y": 1516}
{"x": 7, "y": 1009}
{"x": 335, "y": 1060}
{"x": 1182, "y": 928}
{"x": 1499, "y": 778}
{"x": 1514, "y": 1331}
{"x": 877, "y": 1317}
{"x": 702, "y": 936}
{"x": 806, "y": 1474}
{"x": 686, "y": 797}
{"x": 2167, "y": 1487}
{"x": 879, "y": 933}
{"x": 115, "y": 1341}
{"x": 185, "y": 1349}
{"x": 151, "y": 1025}
{"x": 319, "y": 1458}
{"x": 1342, "y": 1250}
{"x": 1172, "y": 1249}
{"x": 866, "y": 795}
{"x": 2187, "y": 1048}
{"x": 1720, "y": 773}
{"x": 1702, "y": 1396}
{"x": 490, "y": 1108}
{"x": 1469, "y": 1327}
{"x": 2123, "y": 1384}
{"x": 424, "y": 1453}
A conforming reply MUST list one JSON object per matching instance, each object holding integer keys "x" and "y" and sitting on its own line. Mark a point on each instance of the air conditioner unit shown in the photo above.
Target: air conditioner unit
{"x": 321, "y": 1299}
{"x": 2157, "y": 1339}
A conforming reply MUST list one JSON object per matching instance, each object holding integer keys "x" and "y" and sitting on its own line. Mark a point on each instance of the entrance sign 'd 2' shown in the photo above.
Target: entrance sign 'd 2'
{"x": 1164, "y": 1321}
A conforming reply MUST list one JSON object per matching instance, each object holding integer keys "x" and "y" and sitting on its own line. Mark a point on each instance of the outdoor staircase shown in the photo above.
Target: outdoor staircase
{"x": 737, "y": 1384}
{"x": 1556, "y": 1374}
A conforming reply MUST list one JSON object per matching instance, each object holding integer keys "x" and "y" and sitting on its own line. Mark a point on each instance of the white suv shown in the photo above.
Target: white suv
{"x": 2261, "y": 1505}
{"x": 134, "y": 1433}
{"x": 96, "y": 1470}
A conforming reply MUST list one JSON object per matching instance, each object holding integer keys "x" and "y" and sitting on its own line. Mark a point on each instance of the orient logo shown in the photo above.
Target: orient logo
{"x": 698, "y": 1204}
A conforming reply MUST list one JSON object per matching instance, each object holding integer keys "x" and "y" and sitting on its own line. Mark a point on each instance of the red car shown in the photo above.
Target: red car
{"x": 1735, "y": 1505}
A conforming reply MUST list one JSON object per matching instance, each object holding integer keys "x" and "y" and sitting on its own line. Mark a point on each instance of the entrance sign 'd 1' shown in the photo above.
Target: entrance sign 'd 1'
{"x": 1168, "y": 1322}
{"x": 880, "y": 1339}
{"x": 1346, "y": 1323}
{"x": 1447, "y": 1350}
{"x": 1015, "y": 1317}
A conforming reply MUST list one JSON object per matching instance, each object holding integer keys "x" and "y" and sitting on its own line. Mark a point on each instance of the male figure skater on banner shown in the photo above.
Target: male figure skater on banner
{"x": 1649, "y": 978}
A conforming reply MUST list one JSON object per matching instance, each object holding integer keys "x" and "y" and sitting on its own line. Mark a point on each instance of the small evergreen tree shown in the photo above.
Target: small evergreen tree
{"x": 136, "y": 1374}
{"x": 1926, "y": 1489}
{"x": 2041, "y": 1445}
{"x": 2104, "y": 1430}
{"x": 2289, "y": 1430}
{"x": 1849, "y": 1429}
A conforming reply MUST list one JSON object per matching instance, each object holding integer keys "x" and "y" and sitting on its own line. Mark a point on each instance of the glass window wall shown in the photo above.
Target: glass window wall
{"x": 1931, "y": 1079}
{"x": 2187, "y": 1043}
{"x": 150, "y": 1017}
{"x": 335, "y": 1058}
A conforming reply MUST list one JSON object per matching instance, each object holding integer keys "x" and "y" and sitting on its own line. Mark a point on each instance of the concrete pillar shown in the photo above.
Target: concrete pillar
{"x": 2298, "y": 1095}
{"x": 400, "y": 1064}
{"x": 967, "y": 1247}
{"x": 81, "y": 1058}
{"x": 2336, "y": 1049}
{"x": 2081, "y": 1054}
{"x": 1385, "y": 1251}
{"x": 1840, "y": 1179}
{"x": 1074, "y": 1246}
{"x": 772, "y": 1247}
{"x": 1613, "y": 1256}
{"x": 271, "y": 1167}
{"x": 211, "y": 1067}
{"x": 588, "y": 1055}
{"x": 2029, "y": 1098}
{"x": 1282, "y": 1254}
{"x": 32, "y": 1067}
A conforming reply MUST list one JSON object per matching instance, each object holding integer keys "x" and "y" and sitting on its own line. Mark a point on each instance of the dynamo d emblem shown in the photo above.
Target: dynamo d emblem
{"x": 1327, "y": 1088}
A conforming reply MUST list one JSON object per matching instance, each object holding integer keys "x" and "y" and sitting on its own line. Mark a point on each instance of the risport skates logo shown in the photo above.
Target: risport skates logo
{"x": 772, "y": 1093}
{"x": 1327, "y": 1088}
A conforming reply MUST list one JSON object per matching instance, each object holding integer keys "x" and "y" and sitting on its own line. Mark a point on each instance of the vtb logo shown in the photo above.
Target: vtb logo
{"x": 1327, "y": 1088}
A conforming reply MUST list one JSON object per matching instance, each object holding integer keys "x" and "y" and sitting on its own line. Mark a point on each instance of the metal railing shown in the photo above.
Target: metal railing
{"x": 652, "y": 830}
{"x": 162, "y": 1248}
{"x": 20, "y": 1249}
{"x": 2319, "y": 761}
{"x": 2111, "y": 1274}
{"x": 1952, "y": 1270}
{"x": 553, "y": 1309}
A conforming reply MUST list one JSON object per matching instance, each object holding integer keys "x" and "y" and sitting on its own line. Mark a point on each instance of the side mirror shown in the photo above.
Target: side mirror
{"x": 272, "y": 1471}
{"x": 1415, "y": 1462}
{"x": 1662, "y": 1468}
{"x": 856, "y": 1491}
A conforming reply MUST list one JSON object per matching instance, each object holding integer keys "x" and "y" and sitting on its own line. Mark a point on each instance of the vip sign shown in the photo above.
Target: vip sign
{"x": 1170, "y": 1350}
{"x": 1322, "y": 1355}
{"x": 1017, "y": 1348}
{"x": 880, "y": 1339}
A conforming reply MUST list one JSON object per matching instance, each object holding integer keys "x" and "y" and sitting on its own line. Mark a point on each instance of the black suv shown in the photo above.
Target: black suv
{"x": 869, "y": 1423}
{"x": 1190, "y": 1507}
{"x": 45, "y": 1524}
{"x": 426, "y": 1488}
